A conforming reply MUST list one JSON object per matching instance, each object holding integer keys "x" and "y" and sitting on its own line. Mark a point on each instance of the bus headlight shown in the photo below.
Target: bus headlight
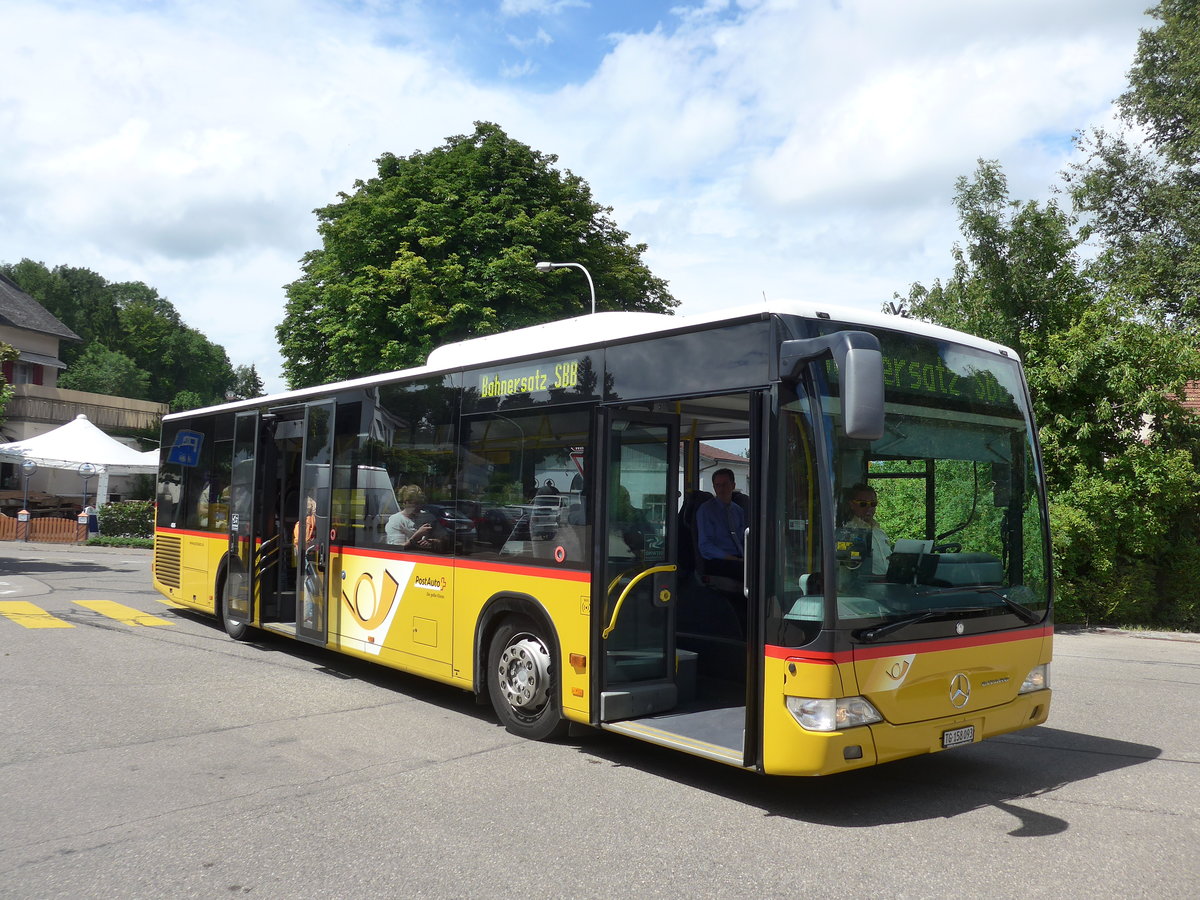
{"x": 832, "y": 715}
{"x": 1038, "y": 679}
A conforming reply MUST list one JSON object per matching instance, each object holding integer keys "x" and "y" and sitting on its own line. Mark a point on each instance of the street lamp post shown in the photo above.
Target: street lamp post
{"x": 28, "y": 469}
{"x": 86, "y": 471}
{"x": 547, "y": 266}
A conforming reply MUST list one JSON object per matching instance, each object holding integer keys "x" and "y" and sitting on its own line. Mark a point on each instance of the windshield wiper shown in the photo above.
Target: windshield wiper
{"x": 1024, "y": 612}
{"x": 949, "y": 612}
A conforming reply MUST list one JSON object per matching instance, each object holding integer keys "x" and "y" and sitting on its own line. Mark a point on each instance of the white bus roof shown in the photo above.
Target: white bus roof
{"x": 606, "y": 327}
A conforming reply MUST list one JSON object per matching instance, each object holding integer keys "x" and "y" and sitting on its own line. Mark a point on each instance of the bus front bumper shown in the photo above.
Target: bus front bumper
{"x": 790, "y": 750}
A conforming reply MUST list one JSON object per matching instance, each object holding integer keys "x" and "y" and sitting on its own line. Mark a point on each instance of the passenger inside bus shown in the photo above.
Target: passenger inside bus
{"x": 627, "y": 536}
{"x": 300, "y": 547}
{"x": 402, "y": 527}
{"x": 720, "y": 526}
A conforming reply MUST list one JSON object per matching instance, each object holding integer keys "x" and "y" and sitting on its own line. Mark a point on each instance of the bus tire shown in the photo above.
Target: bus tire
{"x": 522, "y": 681}
{"x": 239, "y": 631}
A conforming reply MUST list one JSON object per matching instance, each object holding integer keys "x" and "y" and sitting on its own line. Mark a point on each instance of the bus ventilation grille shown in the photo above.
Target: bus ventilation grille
{"x": 166, "y": 559}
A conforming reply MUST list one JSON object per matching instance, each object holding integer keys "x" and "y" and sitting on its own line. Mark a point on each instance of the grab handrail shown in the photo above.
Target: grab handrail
{"x": 612, "y": 623}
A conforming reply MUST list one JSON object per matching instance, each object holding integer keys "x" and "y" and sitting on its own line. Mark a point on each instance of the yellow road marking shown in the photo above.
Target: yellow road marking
{"x": 121, "y": 613}
{"x": 27, "y": 615}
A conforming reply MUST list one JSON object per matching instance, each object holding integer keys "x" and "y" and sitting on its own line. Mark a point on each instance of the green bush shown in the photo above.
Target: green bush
{"x": 1125, "y": 543}
{"x": 132, "y": 518}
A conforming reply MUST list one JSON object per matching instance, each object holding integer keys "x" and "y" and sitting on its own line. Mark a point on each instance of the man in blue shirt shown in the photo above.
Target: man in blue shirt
{"x": 721, "y": 527}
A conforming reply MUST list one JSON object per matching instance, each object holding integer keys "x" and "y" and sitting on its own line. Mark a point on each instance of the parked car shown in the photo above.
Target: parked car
{"x": 449, "y": 525}
{"x": 546, "y": 513}
{"x": 494, "y": 525}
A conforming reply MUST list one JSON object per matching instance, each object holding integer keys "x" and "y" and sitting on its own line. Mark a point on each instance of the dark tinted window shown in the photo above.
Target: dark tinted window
{"x": 701, "y": 362}
{"x": 191, "y": 481}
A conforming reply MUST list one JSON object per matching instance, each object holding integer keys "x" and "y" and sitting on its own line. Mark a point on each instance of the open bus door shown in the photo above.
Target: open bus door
{"x": 636, "y": 554}
{"x": 245, "y": 514}
{"x": 312, "y": 529}
{"x": 651, "y": 680}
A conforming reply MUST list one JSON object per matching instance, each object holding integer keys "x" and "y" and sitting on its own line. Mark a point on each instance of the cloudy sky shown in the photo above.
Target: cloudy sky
{"x": 778, "y": 148}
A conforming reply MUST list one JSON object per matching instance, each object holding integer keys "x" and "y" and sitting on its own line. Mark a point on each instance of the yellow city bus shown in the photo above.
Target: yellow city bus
{"x": 521, "y": 518}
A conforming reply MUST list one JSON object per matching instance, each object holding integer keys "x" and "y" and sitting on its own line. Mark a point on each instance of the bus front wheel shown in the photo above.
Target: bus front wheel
{"x": 522, "y": 681}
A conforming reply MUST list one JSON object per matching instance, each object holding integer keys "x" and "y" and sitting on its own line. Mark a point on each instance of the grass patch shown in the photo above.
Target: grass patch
{"x": 137, "y": 542}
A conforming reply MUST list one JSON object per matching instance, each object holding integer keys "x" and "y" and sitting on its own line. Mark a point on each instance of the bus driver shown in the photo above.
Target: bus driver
{"x": 863, "y": 503}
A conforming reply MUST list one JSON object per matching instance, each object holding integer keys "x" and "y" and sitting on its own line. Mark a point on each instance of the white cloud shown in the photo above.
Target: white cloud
{"x": 797, "y": 148}
{"x": 538, "y": 7}
{"x": 518, "y": 70}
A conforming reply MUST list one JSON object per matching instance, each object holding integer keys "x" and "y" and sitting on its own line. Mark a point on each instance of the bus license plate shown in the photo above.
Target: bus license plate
{"x": 958, "y": 736}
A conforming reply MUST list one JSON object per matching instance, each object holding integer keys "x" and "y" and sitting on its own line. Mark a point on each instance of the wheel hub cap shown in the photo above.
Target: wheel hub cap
{"x": 525, "y": 673}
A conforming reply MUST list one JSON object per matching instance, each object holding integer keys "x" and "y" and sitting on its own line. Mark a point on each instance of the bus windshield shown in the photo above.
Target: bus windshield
{"x": 938, "y": 523}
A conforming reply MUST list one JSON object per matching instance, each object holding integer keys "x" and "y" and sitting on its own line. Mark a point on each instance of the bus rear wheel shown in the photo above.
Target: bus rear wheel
{"x": 522, "y": 681}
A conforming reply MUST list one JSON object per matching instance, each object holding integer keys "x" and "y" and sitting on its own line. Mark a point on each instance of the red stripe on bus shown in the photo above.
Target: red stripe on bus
{"x": 215, "y": 535}
{"x": 473, "y": 565}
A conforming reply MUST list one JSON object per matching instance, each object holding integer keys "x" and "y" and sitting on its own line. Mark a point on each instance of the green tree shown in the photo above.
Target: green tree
{"x": 8, "y": 353}
{"x": 246, "y": 382}
{"x": 1139, "y": 188}
{"x": 1162, "y": 95}
{"x": 441, "y": 246}
{"x": 186, "y": 400}
{"x": 1016, "y": 281}
{"x": 104, "y": 371}
{"x": 79, "y": 298}
{"x": 133, "y": 320}
{"x": 1106, "y": 374}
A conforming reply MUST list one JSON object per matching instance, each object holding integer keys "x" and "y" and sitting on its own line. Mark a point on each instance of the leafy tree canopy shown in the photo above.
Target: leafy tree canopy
{"x": 8, "y": 353}
{"x": 1138, "y": 190}
{"x": 104, "y": 371}
{"x": 246, "y": 382}
{"x": 441, "y": 246}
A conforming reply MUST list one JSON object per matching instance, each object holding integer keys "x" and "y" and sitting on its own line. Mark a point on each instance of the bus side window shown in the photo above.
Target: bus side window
{"x": 522, "y": 484}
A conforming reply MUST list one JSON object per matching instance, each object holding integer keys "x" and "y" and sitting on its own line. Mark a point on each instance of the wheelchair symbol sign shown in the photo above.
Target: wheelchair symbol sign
{"x": 186, "y": 449}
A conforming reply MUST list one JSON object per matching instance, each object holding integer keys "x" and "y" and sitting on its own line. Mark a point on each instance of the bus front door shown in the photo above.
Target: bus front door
{"x": 634, "y": 635}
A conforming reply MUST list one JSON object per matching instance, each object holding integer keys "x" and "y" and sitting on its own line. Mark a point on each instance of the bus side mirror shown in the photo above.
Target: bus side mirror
{"x": 859, "y": 364}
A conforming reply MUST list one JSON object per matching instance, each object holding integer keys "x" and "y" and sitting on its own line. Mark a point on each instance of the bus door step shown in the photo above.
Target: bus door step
{"x": 637, "y": 700}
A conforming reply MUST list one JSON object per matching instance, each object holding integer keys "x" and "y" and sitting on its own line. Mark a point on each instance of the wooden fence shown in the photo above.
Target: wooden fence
{"x": 43, "y": 530}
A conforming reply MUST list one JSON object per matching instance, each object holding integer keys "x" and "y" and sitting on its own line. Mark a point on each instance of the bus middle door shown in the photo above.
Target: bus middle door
{"x": 634, "y": 634}
{"x": 312, "y": 530}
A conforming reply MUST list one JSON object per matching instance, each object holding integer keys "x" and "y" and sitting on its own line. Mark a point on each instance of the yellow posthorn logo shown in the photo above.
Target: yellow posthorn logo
{"x": 368, "y": 608}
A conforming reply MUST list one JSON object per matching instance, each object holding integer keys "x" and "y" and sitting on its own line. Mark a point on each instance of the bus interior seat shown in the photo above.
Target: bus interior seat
{"x": 743, "y": 501}
{"x": 710, "y": 604}
{"x": 689, "y": 550}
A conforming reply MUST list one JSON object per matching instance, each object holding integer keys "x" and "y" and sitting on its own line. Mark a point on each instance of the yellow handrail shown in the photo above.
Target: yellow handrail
{"x": 612, "y": 623}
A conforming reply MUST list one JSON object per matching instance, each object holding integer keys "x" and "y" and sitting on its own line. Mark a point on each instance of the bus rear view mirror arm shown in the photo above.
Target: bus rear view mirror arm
{"x": 860, "y": 371}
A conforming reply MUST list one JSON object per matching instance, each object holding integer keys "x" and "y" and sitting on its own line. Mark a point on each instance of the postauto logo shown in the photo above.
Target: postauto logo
{"x": 433, "y": 584}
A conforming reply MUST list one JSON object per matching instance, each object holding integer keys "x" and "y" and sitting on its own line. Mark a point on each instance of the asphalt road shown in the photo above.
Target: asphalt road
{"x": 144, "y": 754}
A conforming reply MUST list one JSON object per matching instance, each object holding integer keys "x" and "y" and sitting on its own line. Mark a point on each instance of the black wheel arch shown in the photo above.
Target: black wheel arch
{"x": 219, "y": 583}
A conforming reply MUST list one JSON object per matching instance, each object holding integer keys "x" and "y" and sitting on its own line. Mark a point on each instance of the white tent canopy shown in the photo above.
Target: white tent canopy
{"x": 79, "y": 441}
